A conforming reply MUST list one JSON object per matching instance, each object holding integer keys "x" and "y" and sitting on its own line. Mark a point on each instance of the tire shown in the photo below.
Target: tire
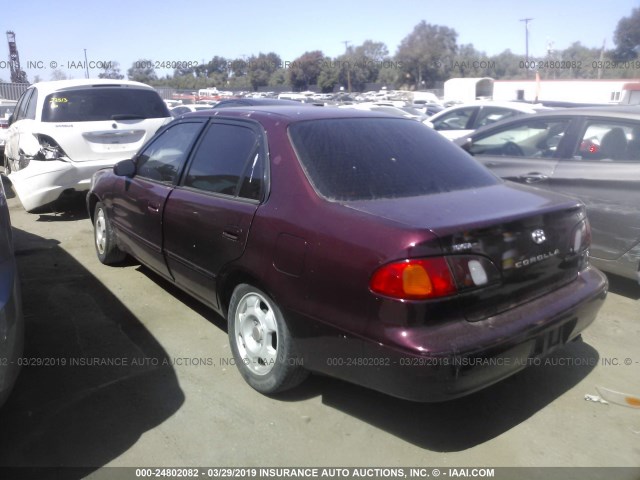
{"x": 104, "y": 238}
{"x": 262, "y": 346}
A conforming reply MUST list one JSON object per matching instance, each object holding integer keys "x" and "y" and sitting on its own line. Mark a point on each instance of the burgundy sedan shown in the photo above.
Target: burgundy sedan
{"x": 353, "y": 244}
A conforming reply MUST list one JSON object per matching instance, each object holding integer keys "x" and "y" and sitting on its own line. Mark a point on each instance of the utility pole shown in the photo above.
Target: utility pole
{"x": 86, "y": 64}
{"x": 346, "y": 49}
{"x": 526, "y": 40}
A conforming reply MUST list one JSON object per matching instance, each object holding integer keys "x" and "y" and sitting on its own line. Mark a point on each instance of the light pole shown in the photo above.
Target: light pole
{"x": 526, "y": 42}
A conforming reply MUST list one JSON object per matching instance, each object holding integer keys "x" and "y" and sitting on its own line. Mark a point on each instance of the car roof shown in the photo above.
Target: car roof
{"x": 57, "y": 85}
{"x": 256, "y": 102}
{"x": 289, "y": 113}
{"x": 520, "y": 106}
{"x": 621, "y": 111}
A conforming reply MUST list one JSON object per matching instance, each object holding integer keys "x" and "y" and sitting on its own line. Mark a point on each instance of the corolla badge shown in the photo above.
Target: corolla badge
{"x": 538, "y": 236}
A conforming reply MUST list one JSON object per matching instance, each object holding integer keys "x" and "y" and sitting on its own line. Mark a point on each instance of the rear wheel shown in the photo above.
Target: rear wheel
{"x": 104, "y": 236}
{"x": 262, "y": 346}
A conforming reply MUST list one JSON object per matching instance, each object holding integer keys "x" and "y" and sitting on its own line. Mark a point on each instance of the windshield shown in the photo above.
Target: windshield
{"x": 369, "y": 158}
{"x": 103, "y": 103}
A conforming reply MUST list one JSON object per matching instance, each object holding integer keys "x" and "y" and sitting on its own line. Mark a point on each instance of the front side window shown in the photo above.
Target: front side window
{"x": 457, "y": 119}
{"x": 228, "y": 161}
{"x": 371, "y": 158}
{"x": 163, "y": 159}
{"x": 489, "y": 115}
{"x": 609, "y": 141}
{"x": 535, "y": 138}
{"x": 103, "y": 103}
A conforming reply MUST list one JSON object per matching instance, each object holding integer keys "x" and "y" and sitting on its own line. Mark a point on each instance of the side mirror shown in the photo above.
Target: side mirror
{"x": 125, "y": 168}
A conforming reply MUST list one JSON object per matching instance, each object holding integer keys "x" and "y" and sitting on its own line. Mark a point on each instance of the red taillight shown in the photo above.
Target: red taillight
{"x": 414, "y": 279}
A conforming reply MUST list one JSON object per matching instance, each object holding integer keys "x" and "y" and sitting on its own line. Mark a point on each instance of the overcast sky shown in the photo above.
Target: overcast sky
{"x": 54, "y": 32}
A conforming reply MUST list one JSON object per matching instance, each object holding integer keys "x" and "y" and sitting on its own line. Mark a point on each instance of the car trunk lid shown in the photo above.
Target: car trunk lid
{"x": 528, "y": 235}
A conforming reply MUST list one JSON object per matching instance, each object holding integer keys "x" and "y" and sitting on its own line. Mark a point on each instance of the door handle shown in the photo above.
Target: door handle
{"x": 153, "y": 207}
{"x": 534, "y": 177}
{"x": 232, "y": 233}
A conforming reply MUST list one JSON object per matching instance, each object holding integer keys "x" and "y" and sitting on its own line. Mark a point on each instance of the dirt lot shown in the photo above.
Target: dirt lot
{"x": 174, "y": 399}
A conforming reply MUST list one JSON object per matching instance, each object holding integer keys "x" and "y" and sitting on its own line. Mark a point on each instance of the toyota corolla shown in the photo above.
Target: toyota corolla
{"x": 353, "y": 244}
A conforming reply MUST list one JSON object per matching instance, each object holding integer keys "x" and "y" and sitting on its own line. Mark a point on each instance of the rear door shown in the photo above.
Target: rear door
{"x": 603, "y": 170}
{"x": 208, "y": 216}
{"x": 139, "y": 202}
{"x": 524, "y": 151}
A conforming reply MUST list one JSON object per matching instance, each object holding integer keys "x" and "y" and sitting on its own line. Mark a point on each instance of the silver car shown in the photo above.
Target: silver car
{"x": 589, "y": 153}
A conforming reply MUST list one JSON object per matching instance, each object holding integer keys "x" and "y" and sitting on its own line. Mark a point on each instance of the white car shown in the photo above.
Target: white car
{"x": 461, "y": 120}
{"x": 62, "y": 132}
{"x": 182, "y": 109}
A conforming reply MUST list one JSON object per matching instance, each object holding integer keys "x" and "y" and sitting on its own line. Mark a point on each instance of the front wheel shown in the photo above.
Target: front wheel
{"x": 105, "y": 238}
{"x": 262, "y": 346}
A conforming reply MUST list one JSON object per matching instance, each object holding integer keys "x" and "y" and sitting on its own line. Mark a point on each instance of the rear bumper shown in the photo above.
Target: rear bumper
{"x": 42, "y": 182}
{"x": 470, "y": 355}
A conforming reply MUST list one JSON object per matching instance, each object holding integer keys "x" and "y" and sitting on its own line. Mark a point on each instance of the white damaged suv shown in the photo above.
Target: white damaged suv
{"x": 62, "y": 132}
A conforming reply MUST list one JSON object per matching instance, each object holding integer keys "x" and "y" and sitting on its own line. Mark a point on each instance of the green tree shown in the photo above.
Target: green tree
{"x": 112, "y": 71}
{"x": 426, "y": 54}
{"x": 469, "y": 62}
{"x": 142, "y": 71}
{"x": 580, "y": 56}
{"x": 507, "y": 66}
{"x": 627, "y": 37}
{"x": 305, "y": 69}
{"x": 58, "y": 75}
{"x": 279, "y": 77}
{"x": 261, "y": 68}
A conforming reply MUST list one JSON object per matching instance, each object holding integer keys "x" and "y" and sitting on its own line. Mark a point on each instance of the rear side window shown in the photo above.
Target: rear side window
{"x": 606, "y": 140}
{"x": 228, "y": 161}
{"x": 103, "y": 103}
{"x": 369, "y": 158}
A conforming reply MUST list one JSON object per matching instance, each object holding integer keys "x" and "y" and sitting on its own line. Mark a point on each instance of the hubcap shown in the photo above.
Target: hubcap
{"x": 101, "y": 232}
{"x": 256, "y": 333}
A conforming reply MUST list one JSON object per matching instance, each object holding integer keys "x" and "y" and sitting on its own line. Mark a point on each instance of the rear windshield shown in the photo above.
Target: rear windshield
{"x": 369, "y": 158}
{"x": 100, "y": 103}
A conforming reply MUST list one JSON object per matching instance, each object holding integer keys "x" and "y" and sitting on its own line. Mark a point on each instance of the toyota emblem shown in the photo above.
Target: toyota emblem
{"x": 538, "y": 236}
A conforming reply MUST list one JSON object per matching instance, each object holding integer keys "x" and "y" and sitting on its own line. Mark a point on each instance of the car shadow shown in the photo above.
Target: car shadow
{"x": 463, "y": 423}
{"x": 442, "y": 427}
{"x": 93, "y": 378}
{"x": 624, "y": 286}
